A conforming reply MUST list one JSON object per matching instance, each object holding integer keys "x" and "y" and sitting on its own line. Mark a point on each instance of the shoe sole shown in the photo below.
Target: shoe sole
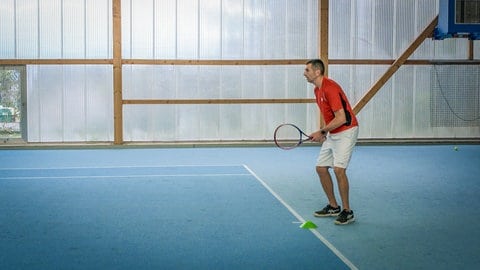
{"x": 346, "y": 222}
{"x": 326, "y": 215}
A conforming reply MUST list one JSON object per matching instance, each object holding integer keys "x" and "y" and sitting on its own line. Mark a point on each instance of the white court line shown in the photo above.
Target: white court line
{"x": 121, "y": 176}
{"x": 302, "y": 220}
{"x": 115, "y": 167}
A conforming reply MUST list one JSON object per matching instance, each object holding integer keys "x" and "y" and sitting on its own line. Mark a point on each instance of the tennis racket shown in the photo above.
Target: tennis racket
{"x": 289, "y": 136}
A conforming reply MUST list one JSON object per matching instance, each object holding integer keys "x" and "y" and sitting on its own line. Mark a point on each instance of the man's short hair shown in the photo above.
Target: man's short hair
{"x": 317, "y": 64}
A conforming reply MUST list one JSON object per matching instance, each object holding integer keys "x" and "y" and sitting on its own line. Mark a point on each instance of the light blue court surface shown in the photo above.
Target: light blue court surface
{"x": 417, "y": 207}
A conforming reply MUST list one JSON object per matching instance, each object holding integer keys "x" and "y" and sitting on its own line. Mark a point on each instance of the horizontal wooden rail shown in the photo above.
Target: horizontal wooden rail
{"x": 375, "y": 62}
{"x": 455, "y": 62}
{"x": 214, "y": 62}
{"x": 220, "y": 101}
{"x": 11, "y": 62}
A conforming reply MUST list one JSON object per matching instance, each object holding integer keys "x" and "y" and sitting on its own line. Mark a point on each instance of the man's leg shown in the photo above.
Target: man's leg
{"x": 343, "y": 187}
{"x": 327, "y": 185}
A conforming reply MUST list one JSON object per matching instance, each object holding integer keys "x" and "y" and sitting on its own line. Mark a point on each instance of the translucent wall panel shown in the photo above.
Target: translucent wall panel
{"x": 212, "y": 122}
{"x": 455, "y": 96}
{"x": 69, "y": 103}
{"x": 296, "y": 33}
{"x": 403, "y": 108}
{"x": 142, "y": 28}
{"x": 26, "y": 28}
{"x": 454, "y": 48}
{"x": 275, "y": 34}
{"x": 165, "y": 34}
{"x": 383, "y": 29}
{"x": 254, "y": 29}
{"x": 210, "y": 29}
{"x": 476, "y": 49}
{"x": 219, "y": 29}
{"x": 53, "y": 29}
{"x": 193, "y": 82}
{"x": 98, "y": 21}
{"x": 187, "y": 29}
{"x": 404, "y": 24}
{"x": 339, "y": 43}
{"x": 232, "y": 29}
{"x": 50, "y": 29}
{"x": 7, "y": 29}
{"x": 380, "y": 45}
{"x": 74, "y": 29}
{"x": 74, "y": 103}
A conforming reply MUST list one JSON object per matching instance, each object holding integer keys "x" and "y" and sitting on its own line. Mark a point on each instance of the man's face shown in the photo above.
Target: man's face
{"x": 310, "y": 74}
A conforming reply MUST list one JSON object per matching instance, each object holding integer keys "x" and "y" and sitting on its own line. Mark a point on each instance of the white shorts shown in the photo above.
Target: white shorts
{"x": 337, "y": 150}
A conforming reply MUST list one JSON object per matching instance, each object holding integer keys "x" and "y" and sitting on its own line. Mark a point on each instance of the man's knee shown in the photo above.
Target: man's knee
{"x": 321, "y": 170}
{"x": 339, "y": 171}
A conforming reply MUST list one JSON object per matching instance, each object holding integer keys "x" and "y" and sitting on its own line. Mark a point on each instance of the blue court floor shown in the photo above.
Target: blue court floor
{"x": 416, "y": 207}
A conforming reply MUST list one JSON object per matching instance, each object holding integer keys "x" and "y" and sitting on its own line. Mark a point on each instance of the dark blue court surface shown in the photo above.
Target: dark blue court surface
{"x": 181, "y": 217}
{"x": 416, "y": 207}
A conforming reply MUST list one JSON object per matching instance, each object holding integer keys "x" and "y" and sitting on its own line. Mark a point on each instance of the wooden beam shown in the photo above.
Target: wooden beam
{"x": 213, "y": 62}
{"x": 427, "y": 32}
{"x": 266, "y": 62}
{"x": 17, "y": 62}
{"x": 117, "y": 73}
{"x": 218, "y": 101}
{"x": 454, "y": 62}
{"x": 470, "y": 50}
{"x": 376, "y": 62}
{"x": 323, "y": 33}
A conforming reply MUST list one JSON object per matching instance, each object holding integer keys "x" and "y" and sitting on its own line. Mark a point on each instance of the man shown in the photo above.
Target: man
{"x": 338, "y": 133}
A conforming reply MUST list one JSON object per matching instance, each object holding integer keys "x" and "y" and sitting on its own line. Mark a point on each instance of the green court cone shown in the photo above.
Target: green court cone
{"x": 308, "y": 225}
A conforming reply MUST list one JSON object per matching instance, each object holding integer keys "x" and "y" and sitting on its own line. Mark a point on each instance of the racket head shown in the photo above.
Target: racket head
{"x": 289, "y": 136}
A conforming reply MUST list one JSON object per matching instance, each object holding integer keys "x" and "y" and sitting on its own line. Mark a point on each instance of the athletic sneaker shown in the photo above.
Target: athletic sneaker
{"x": 328, "y": 211}
{"x": 345, "y": 217}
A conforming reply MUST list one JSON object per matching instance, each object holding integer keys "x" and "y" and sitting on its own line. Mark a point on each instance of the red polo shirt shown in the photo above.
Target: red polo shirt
{"x": 331, "y": 98}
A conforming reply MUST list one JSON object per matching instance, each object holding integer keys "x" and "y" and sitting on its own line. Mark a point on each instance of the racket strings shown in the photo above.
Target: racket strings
{"x": 288, "y": 136}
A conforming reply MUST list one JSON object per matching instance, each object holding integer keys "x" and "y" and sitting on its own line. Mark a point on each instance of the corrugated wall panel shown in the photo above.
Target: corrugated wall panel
{"x": 476, "y": 49}
{"x": 74, "y": 103}
{"x": 383, "y": 21}
{"x": 98, "y": 40}
{"x": 340, "y": 33}
{"x": 275, "y": 29}
{"x": 190, "y": 82}
{"x": 50, "y": 29}
{"x": 165, "y": 29}
{"x": 142, "y": 29}
{"x": 404, "y": 25}
{"x": 362, "y": 39}
{"x": 73, "y": 29}
{"x": 7, "y": 29}
{"x": 186, "y": 29}
{"x": 296, "y": 30}
{"x": 69, "y": 103}
{"x": 99, "y": 102}
{"x": 27, "y": 32}
{"x": 224, "y": 29}
{"x": 210, "y": 29}
{"x": 254, "y": 27}
{"x": 232, "y": 25}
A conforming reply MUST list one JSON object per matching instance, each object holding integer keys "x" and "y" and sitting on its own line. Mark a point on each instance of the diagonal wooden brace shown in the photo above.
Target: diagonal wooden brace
{"x": 427, "y": 32}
